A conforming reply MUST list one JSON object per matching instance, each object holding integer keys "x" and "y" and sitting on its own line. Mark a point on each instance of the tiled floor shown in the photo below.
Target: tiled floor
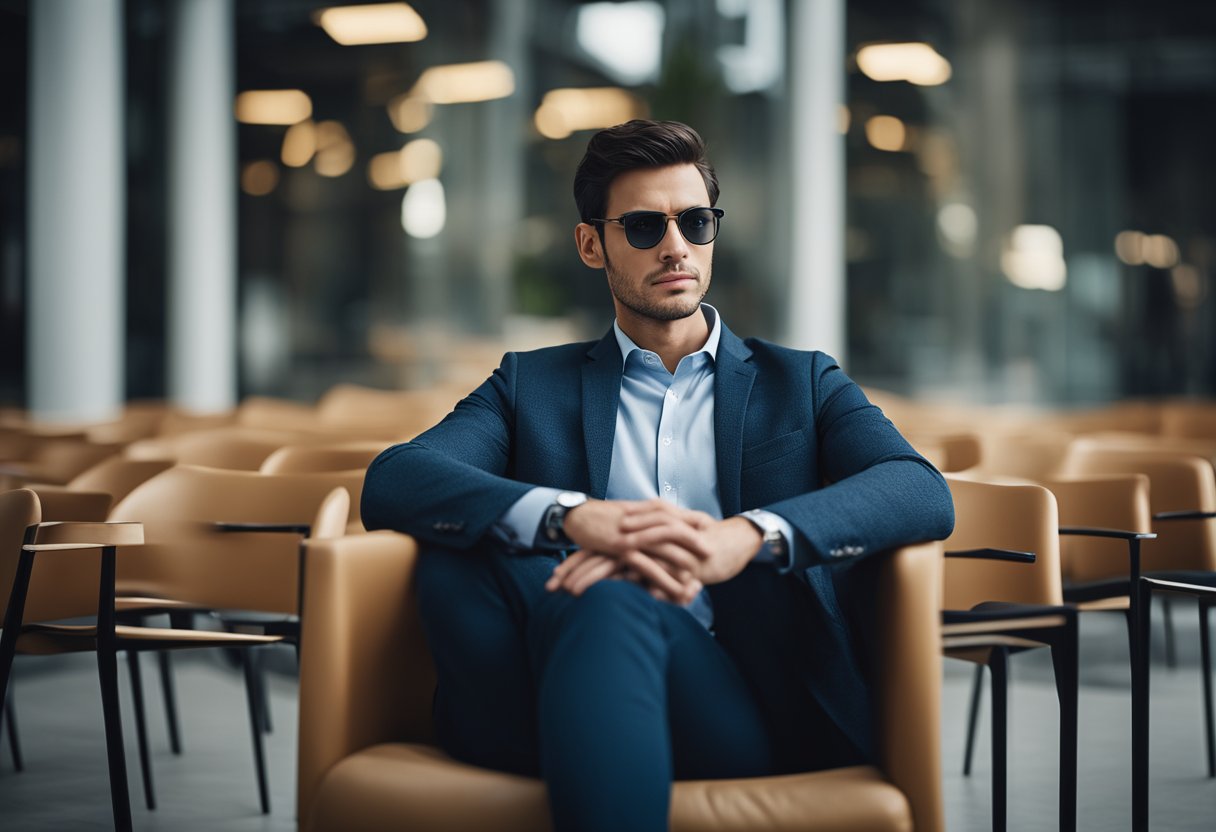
{"x": 211, "y": 786}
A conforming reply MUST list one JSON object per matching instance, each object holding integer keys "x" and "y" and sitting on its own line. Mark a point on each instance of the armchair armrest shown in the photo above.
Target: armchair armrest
{"x": 1119, "y": 534}
{"x": 274, "y": 528}
{"x": 1184, "y": 515}
{"x": 993, "y": 554}
{"x": 909, "y": 672}
{"x": 366, "y": 676}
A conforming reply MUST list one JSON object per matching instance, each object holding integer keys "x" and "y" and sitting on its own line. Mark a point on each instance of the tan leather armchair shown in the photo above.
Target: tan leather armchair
{"x": 367, "y": 759}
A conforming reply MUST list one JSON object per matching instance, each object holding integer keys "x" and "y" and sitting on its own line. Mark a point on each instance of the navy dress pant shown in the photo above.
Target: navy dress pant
{"x": 611, "y": 695}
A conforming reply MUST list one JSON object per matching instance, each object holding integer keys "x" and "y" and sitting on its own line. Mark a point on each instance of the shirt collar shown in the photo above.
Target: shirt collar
{"x": 711, "y": 343}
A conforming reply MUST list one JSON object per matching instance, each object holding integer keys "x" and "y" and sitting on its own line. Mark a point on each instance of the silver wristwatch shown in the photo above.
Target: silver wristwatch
{"x": 552, "y": 524}
{"x": 773, "y": 537}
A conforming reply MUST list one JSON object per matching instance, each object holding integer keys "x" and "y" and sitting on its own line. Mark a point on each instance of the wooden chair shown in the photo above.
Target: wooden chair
{"x": 50, "y": 572}
{"x": 228, "y": 543}
{"x": 368, "y": 761}
{"x": 1003, "y": 595}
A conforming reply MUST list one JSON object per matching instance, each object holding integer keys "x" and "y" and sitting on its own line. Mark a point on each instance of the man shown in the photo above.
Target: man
{"x": 633, "y": 548}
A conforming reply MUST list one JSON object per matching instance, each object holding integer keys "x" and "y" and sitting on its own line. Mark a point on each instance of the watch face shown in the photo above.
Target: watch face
{"x": 570, "y": 499}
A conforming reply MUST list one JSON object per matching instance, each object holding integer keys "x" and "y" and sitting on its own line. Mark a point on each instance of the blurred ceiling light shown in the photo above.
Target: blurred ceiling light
{"x": 1189, "y": 288}
{"x": 1034, "y": 258}
{"x": 410, "y": 113}
{"x": 564, "y": 111}
{"x": 1160, "y": 251}
{"x": 886, "y": 132}
{"x": 626, "y": 39}
{"x": 460, "y": 83}
{"x": 373, "y": 23}
{"x": 1129, "y": 247}
{"x": 335, "y": 151}
{"x": 273, "y": 106}
{"x": 424, "y": 209}
{"x": 418, "y": 160}
{"x": 843, "y": 118}
{"x": 957, "y": 225}
{"x": 299, "y": 144}
{"x": 916, "y": 63}
{"x": 259, "y": 178}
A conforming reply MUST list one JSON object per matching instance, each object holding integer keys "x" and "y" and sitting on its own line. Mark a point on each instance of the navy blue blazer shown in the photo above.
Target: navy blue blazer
{"x": 793, "y": 434}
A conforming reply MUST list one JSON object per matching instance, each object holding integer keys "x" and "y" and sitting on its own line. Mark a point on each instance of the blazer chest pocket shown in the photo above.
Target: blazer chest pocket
{"x": 775, "y": 448}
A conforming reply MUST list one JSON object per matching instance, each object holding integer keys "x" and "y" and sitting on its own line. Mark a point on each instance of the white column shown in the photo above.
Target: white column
{"x": 77, "y": 211}
{"x": 816, "y": 311}
{"x": 202, "y": 207}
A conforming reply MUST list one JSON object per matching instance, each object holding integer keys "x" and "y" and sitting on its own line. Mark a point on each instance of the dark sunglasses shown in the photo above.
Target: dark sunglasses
{"x": 644, "y": 229}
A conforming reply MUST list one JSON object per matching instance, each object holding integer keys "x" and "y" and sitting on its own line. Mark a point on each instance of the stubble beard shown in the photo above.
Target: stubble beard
{"x": 668, "y": 309}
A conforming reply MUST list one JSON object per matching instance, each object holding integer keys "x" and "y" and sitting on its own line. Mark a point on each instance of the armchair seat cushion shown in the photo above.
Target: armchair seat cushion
{"x": 397, "y": 786}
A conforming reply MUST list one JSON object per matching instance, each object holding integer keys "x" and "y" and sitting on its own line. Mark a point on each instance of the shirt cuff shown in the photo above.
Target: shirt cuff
{"x": 519, "y": 526}
{"x": 766, "y": 521}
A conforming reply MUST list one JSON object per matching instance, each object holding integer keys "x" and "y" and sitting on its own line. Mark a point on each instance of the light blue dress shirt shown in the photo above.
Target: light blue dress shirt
{"x": 663, "y": 446}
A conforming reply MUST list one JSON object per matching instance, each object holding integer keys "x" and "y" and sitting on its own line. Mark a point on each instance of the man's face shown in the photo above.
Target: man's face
{"x": 664, "y": 283}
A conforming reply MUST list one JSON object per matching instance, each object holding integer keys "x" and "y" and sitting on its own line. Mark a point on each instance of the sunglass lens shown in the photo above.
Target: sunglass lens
{"x": 699, "y": 226}
{"x": 645, "y": 228}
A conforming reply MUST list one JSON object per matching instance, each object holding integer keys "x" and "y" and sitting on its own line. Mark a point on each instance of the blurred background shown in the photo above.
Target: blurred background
{"x": 991, "y": 201}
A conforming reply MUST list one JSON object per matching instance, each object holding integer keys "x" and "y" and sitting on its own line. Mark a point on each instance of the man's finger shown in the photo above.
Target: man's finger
{"x": 654, "y": 575}
{"x": 592, "y": 570}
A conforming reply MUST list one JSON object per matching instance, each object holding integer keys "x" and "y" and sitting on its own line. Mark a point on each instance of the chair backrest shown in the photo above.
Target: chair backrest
{"x": 1177, "y": 482}
{"x": 186, "y": 557}
{"x": 118, "y": 476}
{"x": 1021, "y": 517}
{"x": 231, "y": 447}
{"x": 1103, "y": 501}
{"x": 62, "y": 584}
{"x": 367, "y": 677}
{"x": 1029, "y": 454}
{"x": 388, "y": 413}
{"x": 1190, "y": 419}
{"x": 345, "y": 456}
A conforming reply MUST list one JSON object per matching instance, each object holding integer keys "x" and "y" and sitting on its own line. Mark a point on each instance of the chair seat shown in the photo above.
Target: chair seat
{"x": 401, "y": 786}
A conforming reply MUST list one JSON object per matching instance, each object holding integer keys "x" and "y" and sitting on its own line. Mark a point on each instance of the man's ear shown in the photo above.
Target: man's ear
{"x": 590, "y": 247}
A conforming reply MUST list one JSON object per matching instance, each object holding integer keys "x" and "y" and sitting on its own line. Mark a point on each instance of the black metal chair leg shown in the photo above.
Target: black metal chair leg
{"x": 107, "y": 671}
{"x": 1205, "y": 648}
{"x": 169, "y": 694}
{"x": 973, "y": 717}
{"x": 998, "y": 664}
{"x": 255, "y": 726}
{"x": 1064, "y": 659}
{"x": 264, "y": 696}
{"x": 141, "y": 727}
{"x": 1142, "y": 616}
{"x": 14, "y": 743}
{"x": 1167, "y": 619}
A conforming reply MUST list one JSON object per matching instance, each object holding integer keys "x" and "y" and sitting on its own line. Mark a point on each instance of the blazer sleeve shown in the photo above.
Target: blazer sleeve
{"x": 879, "y": 492}
{"x": 450, "y": 484}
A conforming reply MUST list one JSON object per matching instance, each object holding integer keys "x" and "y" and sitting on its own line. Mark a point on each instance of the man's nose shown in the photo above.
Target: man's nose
{"x": 673, "y": 246}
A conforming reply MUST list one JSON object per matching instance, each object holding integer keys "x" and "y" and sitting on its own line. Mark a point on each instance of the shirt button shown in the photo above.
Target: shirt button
{"x": 666, "y": 440}
{"x": 672, "y": 393}
{"x": 650, "y": 359}
{"x": 668, "y": 487}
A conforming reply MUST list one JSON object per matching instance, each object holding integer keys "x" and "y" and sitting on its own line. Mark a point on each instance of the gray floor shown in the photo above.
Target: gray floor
{"x": 211, "y": 787}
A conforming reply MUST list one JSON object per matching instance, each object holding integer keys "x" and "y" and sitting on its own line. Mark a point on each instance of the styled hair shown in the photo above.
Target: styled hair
{"x": 633, "y": 145}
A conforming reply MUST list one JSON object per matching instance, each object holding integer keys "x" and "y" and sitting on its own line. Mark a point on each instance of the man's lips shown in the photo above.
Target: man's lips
{"x": 674, "y": 277}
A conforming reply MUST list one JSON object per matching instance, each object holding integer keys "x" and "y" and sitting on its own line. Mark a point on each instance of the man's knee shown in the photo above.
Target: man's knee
{"x": 607, "y": 609}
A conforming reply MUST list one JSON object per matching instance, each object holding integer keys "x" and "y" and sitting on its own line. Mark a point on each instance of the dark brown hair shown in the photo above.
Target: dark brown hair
{"x": 632, "y": 145}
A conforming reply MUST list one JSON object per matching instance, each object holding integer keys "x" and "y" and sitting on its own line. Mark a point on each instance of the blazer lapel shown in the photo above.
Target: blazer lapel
{"x": 601, "y": 396}
{"x": 733, "y": 378}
